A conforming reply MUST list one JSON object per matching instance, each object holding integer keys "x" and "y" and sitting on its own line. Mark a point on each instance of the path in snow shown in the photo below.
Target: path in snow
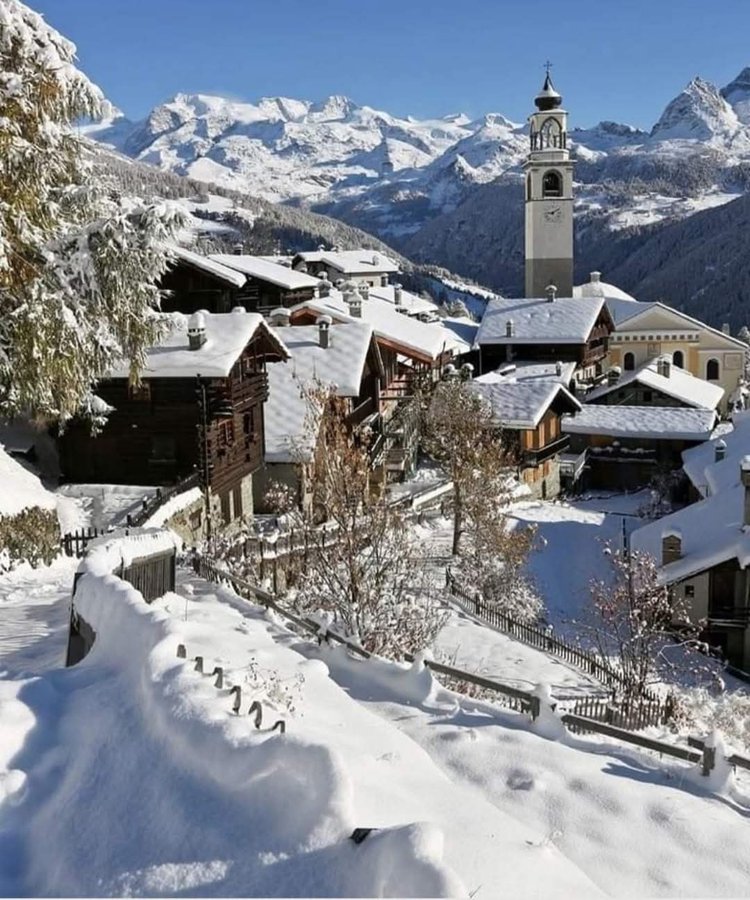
{"x": 34, "y": 615}
{"x": 569, "y": 553}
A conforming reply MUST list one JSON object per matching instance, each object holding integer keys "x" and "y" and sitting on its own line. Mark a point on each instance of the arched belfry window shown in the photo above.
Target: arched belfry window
{"x": 552, "y": 184}
{"x": 712, "y": 370}
{"x": 550, "y": 135}
{"x": 678, "y": 359}
{"x": 628, "y": 362}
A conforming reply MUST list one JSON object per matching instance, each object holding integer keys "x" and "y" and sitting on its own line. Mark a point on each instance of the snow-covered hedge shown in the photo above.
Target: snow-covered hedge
{"x": 29, "y": 530}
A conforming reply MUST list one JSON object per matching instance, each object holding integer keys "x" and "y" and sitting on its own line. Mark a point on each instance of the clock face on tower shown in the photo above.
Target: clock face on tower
{"x": 553, "y": 214}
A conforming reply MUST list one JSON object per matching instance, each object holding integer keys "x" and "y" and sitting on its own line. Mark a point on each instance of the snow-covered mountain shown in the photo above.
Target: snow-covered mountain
{"x": 393, "y": 175}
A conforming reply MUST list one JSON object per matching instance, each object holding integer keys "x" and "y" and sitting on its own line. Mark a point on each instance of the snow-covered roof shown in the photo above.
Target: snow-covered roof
{"x": 427, "y": 340}
{"x": 538, "y": 321}
{"x": 654, "y": 422}
{"x": 523, "y": 371}
{"x": 598, "y": 288}
{"x": 288, "y": 418}
{"x": 266, "y": 270}
{"x": 711, "y": 532}
{"x": 679, "y": 384}
{"x": 412, "y": 303}
{"x": 522, "y": 405}
{"x": 353, "y": 262}
{"x": 20, "y": 488}
{"x": 211, "y": 266}
{"x": 227, "y": 335}
{"x": 700, "y": 465}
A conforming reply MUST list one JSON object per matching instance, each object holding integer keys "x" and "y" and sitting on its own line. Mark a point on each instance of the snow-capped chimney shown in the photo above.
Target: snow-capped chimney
{"x": 510, "y": 328}
{"x": 324, "y": 334}
{"x": 558, "y": 368}
{"x": 279, "y": 317}
{"x": 745, "y": 479}
{"x": 726, "y": 329}
{"x": 595, "y": 277}
{"x": 551, "y": 291}
{"x": 383, "y": 281}
{"x": 720, "y": 450}
{"x": 353, "y": 299}
{"x": 398, "y": 296}
{"x": 664, "y": 367}
{"x": 613, "y": 375}
{"x": 375, "y": 259}
{"x": 196, "y": 331}
{"x": 324, "y": 288}
{"x": 364, "y": 290}
{"x": 238, "y": 249}
{"x": 671, "y": 546}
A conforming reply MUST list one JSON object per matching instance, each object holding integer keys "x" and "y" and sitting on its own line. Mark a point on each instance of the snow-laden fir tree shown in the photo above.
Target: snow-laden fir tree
{"x": 78, "y": 265}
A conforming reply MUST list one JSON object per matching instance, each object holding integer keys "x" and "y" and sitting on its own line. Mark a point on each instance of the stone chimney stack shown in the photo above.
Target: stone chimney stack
{"x": 595, "y": 277}
{"x": 664, "y": 367}
{"x": 364, "y": 290}
{"x": 726, "y": 329}
{"x": 745, "y": 478}
{"x": 324, "y": 332}
{"x": 671, "y": 546}
{"x": 238, "y": 248}
{"x": 510, "y": 328}
{"x": 196, "y": 331}
{"x": 613, "y": 375}
{"x": 353, "y": 299}
{"x": 720, "y": 450}
{"x": 551, "y": 291}
{"x": 398, "y": 296}
{"x": 279, "y": 317}
{"x": 558, "y": 368}
{"x": 324, "y": 287}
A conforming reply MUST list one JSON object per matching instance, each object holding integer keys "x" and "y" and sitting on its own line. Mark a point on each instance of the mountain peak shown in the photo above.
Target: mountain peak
{"x": 737, "y": 95}
{"x": 699, "y": 112}
{"x": 337, "y": 106}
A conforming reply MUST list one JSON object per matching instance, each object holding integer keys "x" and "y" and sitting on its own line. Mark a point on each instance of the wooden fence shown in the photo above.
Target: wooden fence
{"x": 74, "y": 543}
{"x": 509, "y": 697}
{"x": 544, "y": 640}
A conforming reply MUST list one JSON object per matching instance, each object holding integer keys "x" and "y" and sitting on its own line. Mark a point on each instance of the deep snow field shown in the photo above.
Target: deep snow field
{"x": 130, "y": 775}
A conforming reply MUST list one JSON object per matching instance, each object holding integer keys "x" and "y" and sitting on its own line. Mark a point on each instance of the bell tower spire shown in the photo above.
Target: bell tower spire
{"x": 549, "y": 196}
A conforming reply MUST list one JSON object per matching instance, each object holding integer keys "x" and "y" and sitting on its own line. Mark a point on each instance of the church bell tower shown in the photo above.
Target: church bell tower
{"x": 549, "y": 197}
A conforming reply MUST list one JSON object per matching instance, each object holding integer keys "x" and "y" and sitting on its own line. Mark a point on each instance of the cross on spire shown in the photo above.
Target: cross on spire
{"x": 548, "y": 66}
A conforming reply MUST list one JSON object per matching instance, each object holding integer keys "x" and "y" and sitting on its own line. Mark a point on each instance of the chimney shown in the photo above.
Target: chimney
{"x": 671, "y": 546}
{"x": 745, "y": 479}
{"x": 324, "y": 335}
{"x": 720, "y": 450}
{"x": 279, "y": 317}
{"x": 364, "y": 290}
{"x": 375, "y": 259}
{"x": 383, "y": 281}
{"x": 196, "y": 331}
{"x": 353, "y": 300}
{"x": 510, "y": 328}
{"x": 397, "y": 294}
{"x": 551, "y": 292}
{"x": 613, "y": 375}
{"x": 467, "y": 371}
{"x": 238, "y": 310}
{"x": 664, "y": 366}
{"x": 595, "y": 277}
{"x": 324, "y": 288}
{"x": 449, "y": 372}
{"x": 558, "y": 368}
{"x": 321, "y": 248}
{"x": 726, "y": 329}
{"x": 237, "y": 248}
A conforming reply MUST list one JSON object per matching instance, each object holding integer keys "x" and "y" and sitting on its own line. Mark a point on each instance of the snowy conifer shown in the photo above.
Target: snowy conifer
{"x": 77, "y": 267}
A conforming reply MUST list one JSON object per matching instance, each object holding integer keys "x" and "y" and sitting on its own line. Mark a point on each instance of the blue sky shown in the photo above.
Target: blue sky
{"x": 613, "y": 59}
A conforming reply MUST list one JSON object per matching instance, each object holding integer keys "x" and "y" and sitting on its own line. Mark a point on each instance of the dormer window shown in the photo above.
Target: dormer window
{"x": 552, "y": 184}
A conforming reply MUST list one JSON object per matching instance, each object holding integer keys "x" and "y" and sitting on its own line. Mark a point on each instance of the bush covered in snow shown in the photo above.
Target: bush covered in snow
{"x": 32, "y": 535}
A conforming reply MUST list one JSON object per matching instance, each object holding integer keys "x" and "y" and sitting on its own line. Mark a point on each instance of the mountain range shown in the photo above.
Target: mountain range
{"x": 448, "y": 191}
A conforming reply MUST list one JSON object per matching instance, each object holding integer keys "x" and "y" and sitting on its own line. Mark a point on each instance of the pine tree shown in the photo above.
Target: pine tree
{"x": 78, "y": 266}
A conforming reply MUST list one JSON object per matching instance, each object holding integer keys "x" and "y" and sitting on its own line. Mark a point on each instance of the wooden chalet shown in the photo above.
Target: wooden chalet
{"x": 546, "y": 330}
{"x": 198, "y": 407}
{"x": 220, "y": 282}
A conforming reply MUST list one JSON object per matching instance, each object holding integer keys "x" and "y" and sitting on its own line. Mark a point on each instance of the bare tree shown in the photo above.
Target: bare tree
{"x": 638, "y": 623}
{"x": 363, "y": 566}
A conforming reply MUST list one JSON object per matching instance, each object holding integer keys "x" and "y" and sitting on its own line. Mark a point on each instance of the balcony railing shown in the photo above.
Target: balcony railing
{"x": 736, "y": 616}
{"x": 536, "y": 456}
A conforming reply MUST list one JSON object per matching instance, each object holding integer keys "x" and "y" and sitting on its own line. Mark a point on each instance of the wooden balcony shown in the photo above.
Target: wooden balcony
{"x": 536, "y": 456}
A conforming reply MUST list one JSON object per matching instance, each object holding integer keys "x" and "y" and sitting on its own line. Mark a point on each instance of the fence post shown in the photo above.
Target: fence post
{"x": 709, "y": 759}
{"x": 535, "y": 708}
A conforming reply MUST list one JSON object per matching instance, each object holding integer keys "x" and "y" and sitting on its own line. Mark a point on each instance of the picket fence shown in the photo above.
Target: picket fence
{"x": 543, "y": 639}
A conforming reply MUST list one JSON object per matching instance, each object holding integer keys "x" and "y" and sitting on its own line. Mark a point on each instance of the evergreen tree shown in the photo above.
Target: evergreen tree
{"x": 78, "y": 265}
